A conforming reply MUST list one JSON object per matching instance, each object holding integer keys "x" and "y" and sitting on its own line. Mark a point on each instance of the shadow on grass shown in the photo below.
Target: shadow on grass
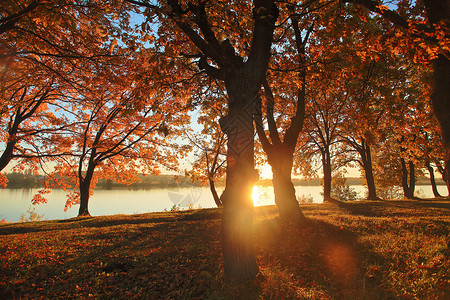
{"x": 317, "y": 260}
{"x": 151, "y": 258}
{"x": 107, "y": 221}
{"x": 381, "y": 208}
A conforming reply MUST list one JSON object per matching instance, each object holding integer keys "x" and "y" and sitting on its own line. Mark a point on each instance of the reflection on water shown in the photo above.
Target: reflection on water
{"x": 15, "y": 202}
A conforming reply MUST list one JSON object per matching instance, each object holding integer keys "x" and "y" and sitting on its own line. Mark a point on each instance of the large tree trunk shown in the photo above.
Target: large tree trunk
{"x": 446, "y": 175}
{"x": 237, "y": 224}
{"x": 281, "y": 159}
{"x": 439, "y": 11}
{"x": 408, "y": 189}
{"x": 243, "y": 82}
{"x": 432, "y": 179}
{"x": 440, "y": 95}
{"x": 84, "y": 185}
{"x": 412, "y": 178}
{"x": 326, "y": 163}
{"x": 372, "y": 191}
{"x": 7, "y": 154}
{"x": 216, "y": 197}
{"x": 366, "y": 157}
{"x": 243, "y": 79}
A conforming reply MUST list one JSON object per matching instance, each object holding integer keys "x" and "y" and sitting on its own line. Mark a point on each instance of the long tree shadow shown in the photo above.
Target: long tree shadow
{"x": 317, "y": 254}
{"x": 381, "y": 207}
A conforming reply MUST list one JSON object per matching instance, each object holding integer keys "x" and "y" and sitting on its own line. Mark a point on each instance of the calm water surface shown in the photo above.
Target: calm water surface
{"x": 15, "y": 202}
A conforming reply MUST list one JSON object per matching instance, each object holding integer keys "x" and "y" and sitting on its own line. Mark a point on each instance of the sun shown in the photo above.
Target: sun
{"x": 255, "y": 195}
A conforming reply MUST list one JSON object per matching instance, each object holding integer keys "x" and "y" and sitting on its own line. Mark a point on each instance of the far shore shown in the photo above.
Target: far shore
{"x": 27, "y": 181}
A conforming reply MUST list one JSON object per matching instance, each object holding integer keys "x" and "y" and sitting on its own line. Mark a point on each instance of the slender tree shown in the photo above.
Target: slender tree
{"x": 118, "y": 126}
{"x": 210, "y": 151}
{"x": 321, "y": 133}
{"x": 280, "y": 150}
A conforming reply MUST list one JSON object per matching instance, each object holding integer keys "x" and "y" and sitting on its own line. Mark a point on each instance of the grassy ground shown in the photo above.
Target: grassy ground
{"x": 361, "y": 250}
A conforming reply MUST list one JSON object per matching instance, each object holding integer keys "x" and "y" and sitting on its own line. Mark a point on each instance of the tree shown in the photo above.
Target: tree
{"x": 321, "y": 131}
{"x": 280, "y": 150}
{"x": 22, "y": 106}
{"x": 429, "y": 38}
{"x": 117, "y": 125}
{"x": 242, "y": 67}
{"x": 209, "y": 146}
{"x": 408, "y": 173}
{"x": 40, "y": 65}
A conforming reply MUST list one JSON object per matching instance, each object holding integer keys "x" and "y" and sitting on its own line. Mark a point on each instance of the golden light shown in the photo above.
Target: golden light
{"x": 255, "y": 195}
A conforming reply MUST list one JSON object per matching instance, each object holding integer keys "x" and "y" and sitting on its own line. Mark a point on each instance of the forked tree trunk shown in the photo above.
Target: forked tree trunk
{"x": 280, "y": 151}
{"x": 84, "y": 185}
{"x": 432, "y": 179}
{"x": 408, "y": 189}
{"x": 281, "y": 159}
{"x": 243, "y": 79}
{"x": 366, "y": 158}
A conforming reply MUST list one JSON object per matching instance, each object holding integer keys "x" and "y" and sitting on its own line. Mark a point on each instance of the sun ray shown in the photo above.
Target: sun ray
{"x": 255, "y": 195}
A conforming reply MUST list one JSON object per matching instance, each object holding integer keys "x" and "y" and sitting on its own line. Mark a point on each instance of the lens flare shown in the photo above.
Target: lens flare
{"x": 255, "y": 195}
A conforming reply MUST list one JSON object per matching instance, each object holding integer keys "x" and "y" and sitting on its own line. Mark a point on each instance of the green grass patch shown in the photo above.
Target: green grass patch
{"x": 359, "y": 250}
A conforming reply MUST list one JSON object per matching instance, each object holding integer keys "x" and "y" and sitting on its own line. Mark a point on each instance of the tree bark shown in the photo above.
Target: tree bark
{"x": 326, "y": 162}
{"x": 85, "y": 184}
{"x": 366, "y": 159}
{"x": 7, "y": 154}
{"x": 439, "y": 11}
{"x": 237, "y": 222}
{"x": 412, "y": 179}
{"x": 432, "y": 179}
{"x": 372, "y": 191}
{"x": 243, "y": 79}
{"x": 408, "y": 189}
{"x": 281, "y": 159}
{"x": 13, "y": 128}
{"x": 446, "y": 174}
{"x": 216, "y": 197}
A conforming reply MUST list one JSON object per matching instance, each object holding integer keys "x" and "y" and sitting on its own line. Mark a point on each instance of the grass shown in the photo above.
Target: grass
{"x": 358, "y": 250}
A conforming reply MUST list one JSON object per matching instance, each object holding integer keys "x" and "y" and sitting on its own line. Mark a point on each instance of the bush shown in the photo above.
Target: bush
{"x": 341, "y": 190}
{"x": 390, "y": 192}
{"x": 32, "y": 216}
{"x": 304, "y": 199}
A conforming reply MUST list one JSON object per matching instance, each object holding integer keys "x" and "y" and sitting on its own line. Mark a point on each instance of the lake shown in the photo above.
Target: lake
{"x": 15, "y": 202}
